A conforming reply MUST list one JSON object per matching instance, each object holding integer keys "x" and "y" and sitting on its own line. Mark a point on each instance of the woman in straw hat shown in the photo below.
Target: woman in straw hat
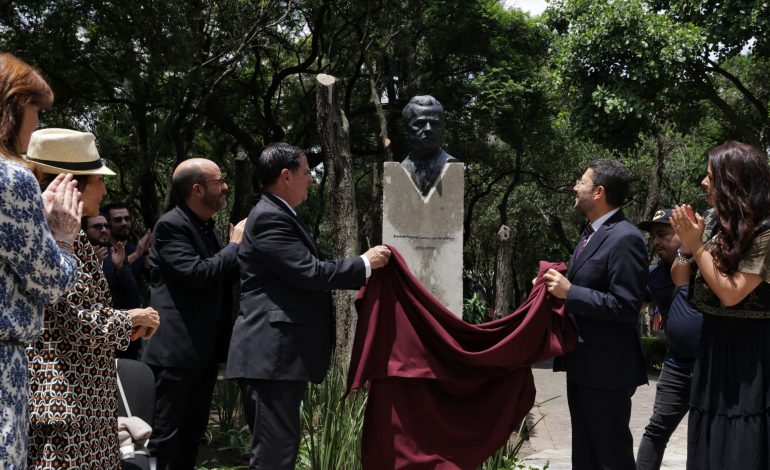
{"x": 73, "y": 377}
{"x": 36, "y": 267}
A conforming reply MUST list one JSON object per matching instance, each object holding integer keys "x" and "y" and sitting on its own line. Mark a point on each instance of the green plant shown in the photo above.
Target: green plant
{"x": 332, "y": 426}
{"x": 227, "y": 403}
{"x": 506, "y": 458}
{"x": 238, "y": 440}
{"x": 475, "y": 309}
{"x": 654, "y": 351}
{"x": 213, "y": 464}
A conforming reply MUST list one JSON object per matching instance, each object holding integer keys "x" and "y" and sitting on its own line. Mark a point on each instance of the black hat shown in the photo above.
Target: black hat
{"x": 660, "y": 217}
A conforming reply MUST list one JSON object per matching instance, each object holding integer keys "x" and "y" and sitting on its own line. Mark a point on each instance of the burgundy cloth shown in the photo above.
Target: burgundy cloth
{"x": 445, "y": 394}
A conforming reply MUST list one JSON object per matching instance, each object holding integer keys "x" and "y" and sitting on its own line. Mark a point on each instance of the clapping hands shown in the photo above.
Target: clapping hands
{"x": 63, "y": 208}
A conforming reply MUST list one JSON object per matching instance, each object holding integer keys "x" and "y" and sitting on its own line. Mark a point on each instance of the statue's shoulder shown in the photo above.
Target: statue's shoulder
{"x": 446, "y": 158}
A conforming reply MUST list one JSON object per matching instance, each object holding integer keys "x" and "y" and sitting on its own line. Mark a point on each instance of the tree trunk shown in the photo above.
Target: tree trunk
{"x": 334, "y": 134}
{"x": 503, "y": 272}
{"x": 662, "y": 151}
{"x": 243, "y": 180}
{"x": 375, "y": 236}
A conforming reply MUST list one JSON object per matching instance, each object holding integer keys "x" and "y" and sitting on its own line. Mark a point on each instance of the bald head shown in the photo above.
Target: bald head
{"x": 188, "y": 173}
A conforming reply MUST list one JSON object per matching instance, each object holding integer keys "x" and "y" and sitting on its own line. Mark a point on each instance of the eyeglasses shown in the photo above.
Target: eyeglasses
{"x": 579, "y": 182}
{"x": 100, "y": 227}
{"x": 219, "y": 181}
{"x": 120, "y": 218}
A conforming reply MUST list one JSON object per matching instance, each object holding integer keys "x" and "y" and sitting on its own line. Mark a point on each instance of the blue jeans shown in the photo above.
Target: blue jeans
{"x": 672, "y": 401}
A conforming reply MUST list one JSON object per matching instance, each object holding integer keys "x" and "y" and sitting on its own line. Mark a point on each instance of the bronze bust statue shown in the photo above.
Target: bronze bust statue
{"x": 424, "y": 124}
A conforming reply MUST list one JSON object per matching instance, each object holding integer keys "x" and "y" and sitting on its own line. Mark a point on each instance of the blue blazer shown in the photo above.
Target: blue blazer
{"x": 608, "y": 279}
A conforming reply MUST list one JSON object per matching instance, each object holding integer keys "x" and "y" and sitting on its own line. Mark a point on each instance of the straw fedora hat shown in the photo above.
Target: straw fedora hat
{"x": 66, "y": 151}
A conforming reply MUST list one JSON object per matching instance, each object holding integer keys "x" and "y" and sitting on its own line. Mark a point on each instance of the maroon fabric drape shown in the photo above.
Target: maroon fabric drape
{"x": 445, "y": 394}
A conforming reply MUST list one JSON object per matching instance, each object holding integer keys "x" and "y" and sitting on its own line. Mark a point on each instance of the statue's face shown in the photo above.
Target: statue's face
{"x": 425, "y": 127}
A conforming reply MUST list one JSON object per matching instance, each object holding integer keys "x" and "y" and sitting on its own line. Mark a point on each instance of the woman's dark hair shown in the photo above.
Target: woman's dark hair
{"x": 20, "y": 86}
{"x": 741, "y": 187}
{"x": 45, "y": 179}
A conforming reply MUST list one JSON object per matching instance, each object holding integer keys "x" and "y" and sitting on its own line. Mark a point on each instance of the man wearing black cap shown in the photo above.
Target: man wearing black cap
{"x": 682, "y": 324}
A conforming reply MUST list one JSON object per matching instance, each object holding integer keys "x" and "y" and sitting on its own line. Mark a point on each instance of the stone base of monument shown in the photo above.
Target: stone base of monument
{"x": 428, "y": 231}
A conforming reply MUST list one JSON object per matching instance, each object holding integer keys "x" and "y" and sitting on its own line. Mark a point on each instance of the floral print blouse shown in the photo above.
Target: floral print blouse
{"x": 33, "y": 272}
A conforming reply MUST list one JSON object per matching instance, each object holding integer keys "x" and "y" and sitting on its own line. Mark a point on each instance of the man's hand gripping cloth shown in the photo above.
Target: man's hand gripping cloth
{"x": 445, "y": 394}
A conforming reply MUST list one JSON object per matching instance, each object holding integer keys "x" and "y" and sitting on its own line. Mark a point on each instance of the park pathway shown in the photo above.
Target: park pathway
{"x": 550, "y": 440}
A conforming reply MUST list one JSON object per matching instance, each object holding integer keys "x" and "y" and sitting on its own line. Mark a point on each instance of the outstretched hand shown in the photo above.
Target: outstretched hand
{"x": 378, "y": 256}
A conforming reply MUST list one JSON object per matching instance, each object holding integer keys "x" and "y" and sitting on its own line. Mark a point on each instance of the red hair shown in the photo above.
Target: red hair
{"x": 20, "y": 86}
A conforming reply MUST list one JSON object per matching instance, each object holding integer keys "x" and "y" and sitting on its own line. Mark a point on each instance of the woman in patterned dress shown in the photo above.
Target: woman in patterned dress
{"x": 34, "y": 269}
{"x": 729, "y": 424}
{"x": 72, "y": 369}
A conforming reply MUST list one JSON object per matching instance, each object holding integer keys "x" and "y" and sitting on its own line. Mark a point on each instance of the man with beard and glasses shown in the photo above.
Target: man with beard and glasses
{"x": 121, "y": 230}
{"x": 603, "y": 292}
{"x": 123, "y": 283}
{"x": 191, "y": 279}
{"x": 98, "y": 232}
{"x": 124, "y": 264}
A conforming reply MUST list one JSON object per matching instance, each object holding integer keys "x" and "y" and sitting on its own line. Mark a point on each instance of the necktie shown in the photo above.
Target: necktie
{"x": 583, "y": 239}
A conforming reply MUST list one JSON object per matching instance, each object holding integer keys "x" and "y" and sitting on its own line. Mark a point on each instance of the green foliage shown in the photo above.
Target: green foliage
{"x": 331, "y": 426}
{"x": 506, "y": 458}
{"x": 631, "y": 64}
{"x": 623, "y": 65}
{"x": 227, "y": 403}
{"x": 654, "y": 351}
{"x": 475, "y": 309}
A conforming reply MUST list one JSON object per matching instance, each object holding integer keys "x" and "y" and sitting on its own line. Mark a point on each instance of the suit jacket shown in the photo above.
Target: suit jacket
{"x": 608, "y": 285}
{"x": 191, "y": 288}
{"x": 284, "y": 330}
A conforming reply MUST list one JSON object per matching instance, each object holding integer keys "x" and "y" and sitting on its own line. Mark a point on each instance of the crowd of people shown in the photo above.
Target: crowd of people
{"x": 71, "y": 302}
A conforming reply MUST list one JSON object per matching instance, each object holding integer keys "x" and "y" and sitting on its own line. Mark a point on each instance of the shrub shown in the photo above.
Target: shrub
{"x": 654, "y": 351}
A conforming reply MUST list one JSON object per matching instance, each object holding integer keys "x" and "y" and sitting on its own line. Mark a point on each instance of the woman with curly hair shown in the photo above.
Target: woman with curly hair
{"x": 729, "y": 424}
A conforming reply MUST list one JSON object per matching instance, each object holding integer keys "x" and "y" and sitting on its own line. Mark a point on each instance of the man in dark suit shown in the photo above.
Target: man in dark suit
{"x": 603, "y": 292}
{"x": 285, "y": 330}
{"x": 191, "y": 280}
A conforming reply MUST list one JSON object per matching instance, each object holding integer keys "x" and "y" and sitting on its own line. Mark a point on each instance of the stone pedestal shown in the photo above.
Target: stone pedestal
{"x": 428, "y": 231}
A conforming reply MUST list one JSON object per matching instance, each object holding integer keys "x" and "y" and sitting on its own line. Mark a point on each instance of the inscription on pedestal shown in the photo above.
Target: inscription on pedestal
{"x": 428, "y": 231}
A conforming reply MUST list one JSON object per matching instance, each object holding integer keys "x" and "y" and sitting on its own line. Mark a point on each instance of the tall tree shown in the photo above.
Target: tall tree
{"x": 631, "y": 63}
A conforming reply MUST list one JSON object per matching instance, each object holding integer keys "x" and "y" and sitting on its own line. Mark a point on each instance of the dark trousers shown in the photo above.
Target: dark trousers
{"x": 272, "y": 411}
{"x": 182, "y": 406}
{"x": 672, "y": 401}
{"x": 601, "y": 439}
